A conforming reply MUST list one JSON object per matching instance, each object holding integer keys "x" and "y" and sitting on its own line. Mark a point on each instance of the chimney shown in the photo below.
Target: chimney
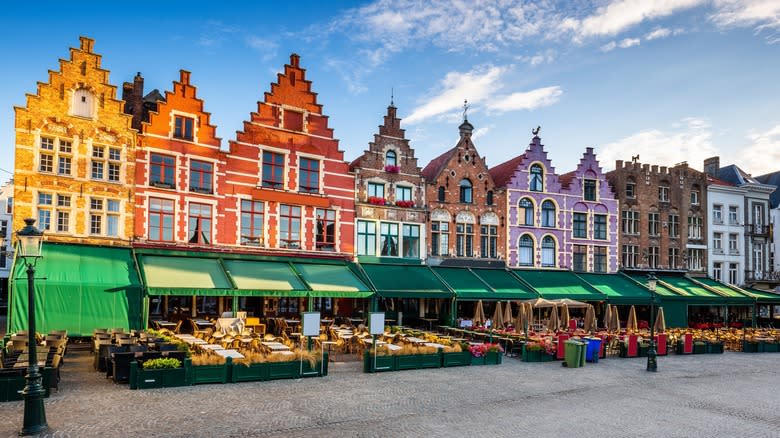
{"x": 184, "y": 77}
{"x": 295, "y": 60}
{"x": 712, "y": 166}
{"x": 86, "y": 44}
{"x": 133, "y": 95}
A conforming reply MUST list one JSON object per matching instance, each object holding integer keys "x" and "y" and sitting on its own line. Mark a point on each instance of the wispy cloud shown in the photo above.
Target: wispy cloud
{"x": 623, "y": 44}
{"x": 762, "y": 153}
{"x": 543, "y": 57}
{"x": 266, "y": 47}
{"x": 661, "y": 32}
{"x": 527, "y": 100}
{"x": 759, "y": 14}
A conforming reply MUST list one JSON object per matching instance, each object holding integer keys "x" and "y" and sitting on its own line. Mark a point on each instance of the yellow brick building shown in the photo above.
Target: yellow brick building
{"x": 75, "y": 156}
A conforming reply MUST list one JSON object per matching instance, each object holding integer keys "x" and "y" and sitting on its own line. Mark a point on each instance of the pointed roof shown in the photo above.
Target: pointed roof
{"x": 772, "y": 179}
{"x": 717, "y": 181}
{"x": 736, "y": 176}
{"x": 434, "y": 168}
{"x": 503, "y": 172}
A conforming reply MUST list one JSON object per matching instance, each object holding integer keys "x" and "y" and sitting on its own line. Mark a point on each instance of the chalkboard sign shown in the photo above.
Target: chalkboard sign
{"x": 311, "y": 324}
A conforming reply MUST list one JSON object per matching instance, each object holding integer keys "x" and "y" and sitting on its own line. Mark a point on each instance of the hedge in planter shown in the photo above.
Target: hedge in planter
{"x": 158, "y": 373}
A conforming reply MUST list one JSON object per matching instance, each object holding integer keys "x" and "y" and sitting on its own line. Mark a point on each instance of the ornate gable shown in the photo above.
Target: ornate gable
{"x": 535, "y": 154}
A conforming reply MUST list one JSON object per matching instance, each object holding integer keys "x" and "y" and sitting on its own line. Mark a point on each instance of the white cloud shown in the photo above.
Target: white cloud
{"x": 545, "y": 57}
{"x": 621, "y": 15}
{"x": 690, "y": 140}
{"x": 762, "y": 154}
{"x": 480, "y": 132}
{"x": 759, "y": 14}
{"x": 628, "y": 42}
{"x": 527, "y": 100}
{"x": 661, "y": 32}
{"x": 610, "y": 46}
{"x": 266, "y": 47}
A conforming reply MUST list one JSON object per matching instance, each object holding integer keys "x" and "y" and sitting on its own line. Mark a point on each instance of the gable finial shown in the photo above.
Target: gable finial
{"x": 391, "y": 96}
{"x": 535, "y": 132}
{"x": 465, "y": 110}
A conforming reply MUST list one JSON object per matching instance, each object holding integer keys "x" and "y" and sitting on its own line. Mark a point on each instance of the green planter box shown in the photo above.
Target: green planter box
{"x": 715, "y": 348}
{"x": 478, "y": 360}
{"x": 494, "y": 358}
{"x": 164, "y": 378}
{"x": 770, "y": 347}
{"x": 749, "y": 347}
{"x": 699, "y": 348}
{"x": 429, "y": 360}
{"x": 284, "y": 370}
{"x": 407, "y": 362}
{"x": 456, "y": 359}
{"x": 537, "y": 356}
{"x": 383, "y": 363}
{"x": 319, "y": 369}
{"x": 642, "y": 350}
{"x": 10, "y": 387}
{"x": 249, "y": 373}
{"x": 209, "y": 373}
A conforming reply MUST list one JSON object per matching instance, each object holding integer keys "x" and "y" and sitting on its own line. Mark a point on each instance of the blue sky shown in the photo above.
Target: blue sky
{"x": 670, "y": 80}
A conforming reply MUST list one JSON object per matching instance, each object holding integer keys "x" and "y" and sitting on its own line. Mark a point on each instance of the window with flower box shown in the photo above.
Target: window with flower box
{"x": 403, "y": 193}
{"x": 376, "y": 193}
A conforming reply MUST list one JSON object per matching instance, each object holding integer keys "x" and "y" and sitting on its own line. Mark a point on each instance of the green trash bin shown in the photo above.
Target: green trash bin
{"x": 574, "y": 354}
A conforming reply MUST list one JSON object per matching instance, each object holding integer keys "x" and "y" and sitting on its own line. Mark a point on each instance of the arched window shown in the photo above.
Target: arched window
{"x": 526, "y": 250}
{"x": 83, "y": 103}
{"x": 548, "y": 252}
{"x": 537, "y": 178}
{"x": 441, "y": 194}
{"x": 390, "y": 158}
{"x": 548, "y": 214}
{"x": 489, "y": 200}
{"x": 526, "y": 215}
{"x": 465, "y": 191}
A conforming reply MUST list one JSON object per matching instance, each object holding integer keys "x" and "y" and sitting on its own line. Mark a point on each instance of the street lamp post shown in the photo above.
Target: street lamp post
{"x": 29, "y": 250}
{"x": 652, "y": 362}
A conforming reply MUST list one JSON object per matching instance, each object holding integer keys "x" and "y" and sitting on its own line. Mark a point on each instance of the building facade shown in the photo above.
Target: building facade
{"x": 465, "y": 210}
{"x": 773, "y": 179}
{"x": 568, "y": 221}
{"x": 754, "y": 217}
{"x": 663, "y": 224}
{"x": 75, "y": 156}
{"x": 389, "y": 196}
{"x": 6, "y": 236}
{"x": 726, "y": 231}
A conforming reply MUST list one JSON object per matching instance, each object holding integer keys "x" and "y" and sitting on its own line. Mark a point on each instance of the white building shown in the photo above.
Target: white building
{"x": 754, "y": 218}
{"x": 726, "y": 233}
{"x": 773, "y": 179}
{"x": 6, "y": 213}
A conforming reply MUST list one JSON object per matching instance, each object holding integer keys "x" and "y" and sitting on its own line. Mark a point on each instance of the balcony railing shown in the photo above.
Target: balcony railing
{"x": 757, "y": 230}
{"x": 772, "y": 276}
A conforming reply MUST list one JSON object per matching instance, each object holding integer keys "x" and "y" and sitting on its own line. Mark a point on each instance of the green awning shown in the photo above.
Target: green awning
{"x": 559, "y": 284}
{"x": 261, "y": 278}
{"x": 505, "y": 285}
{"x": 660, "y": 290}
{"x": 406, "y": 281}
{"x": 184, "y": 276}
{"x": 78, "y": 289}
{"x": 732, "y": 294}
{"x": 466, "y": 285}
{"x": 695, "y": 292}
{"x": 618, "y": 288}
{"x": 763, "y": 296}
{"x": 332, "y": 281}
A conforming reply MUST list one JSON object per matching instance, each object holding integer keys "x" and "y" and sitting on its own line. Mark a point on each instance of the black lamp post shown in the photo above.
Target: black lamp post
{"x": 652, "y": 362}
{"x": 29, "y": 250}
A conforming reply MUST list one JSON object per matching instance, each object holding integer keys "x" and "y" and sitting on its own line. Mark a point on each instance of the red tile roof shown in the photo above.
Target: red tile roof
{"x": 566, "y": 179}
{"x": 712, "y": 180}
{"x": 434, "y": 168}
{"x": 503, "y": 172}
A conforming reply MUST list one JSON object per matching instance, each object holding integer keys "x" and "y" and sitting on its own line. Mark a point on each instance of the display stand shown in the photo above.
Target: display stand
{"x": 376, "y": 326}
{"x": 310, "y": 322}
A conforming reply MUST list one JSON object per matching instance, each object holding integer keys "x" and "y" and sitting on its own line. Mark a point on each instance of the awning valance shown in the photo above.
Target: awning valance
{"x": 332, "y": 280}
{"x": 405, "y": 281}
{"x": 553, "y": 284}
{"x": 505, "y": 285}
{"x": 618, "y": 288}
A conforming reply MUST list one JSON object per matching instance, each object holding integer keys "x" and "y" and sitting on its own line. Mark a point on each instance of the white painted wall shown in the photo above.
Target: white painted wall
{"x": 725, "y": 197}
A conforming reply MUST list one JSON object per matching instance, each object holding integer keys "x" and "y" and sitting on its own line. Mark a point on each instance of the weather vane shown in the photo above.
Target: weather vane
{"x": 391, "y": 96}
{"x": 536, "y": 131}
{"x": 465, "y": 110}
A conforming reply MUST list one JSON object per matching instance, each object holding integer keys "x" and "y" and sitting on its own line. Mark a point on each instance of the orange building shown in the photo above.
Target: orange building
{"x": 75, "y": 156}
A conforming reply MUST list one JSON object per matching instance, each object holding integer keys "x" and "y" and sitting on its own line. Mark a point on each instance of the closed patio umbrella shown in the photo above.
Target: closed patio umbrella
{"x": 519, "y": 321}
{"x": 590, "y": 319}
{"x": 529, "y": 315}
{"x": 498, "y": 316}
{"x": 608, "y": 317}
{"x": 553, "y": 323}
{"x": 660, "y": 321}
{"x": 615, "y": 319}
{"x": 564, "y": 317}
{"x": 479, "y": 314}
{"x": 508, "y": 313}
{"x": 631, "y": 324}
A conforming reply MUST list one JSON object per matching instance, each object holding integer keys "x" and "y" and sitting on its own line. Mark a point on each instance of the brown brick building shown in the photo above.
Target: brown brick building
{"x": 389, "y": 196}
{"x": 663, "y": 219}
{"x": 465, "y": 210}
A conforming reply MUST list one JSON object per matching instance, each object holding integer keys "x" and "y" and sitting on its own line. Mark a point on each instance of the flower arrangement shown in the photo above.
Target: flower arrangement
{"x": 162, "y": 363}
{"x": 404, "y": 204}
{"x": 392, "y": 169}
{"x": 479, "y": 350}
{"x": 376, "y": 200}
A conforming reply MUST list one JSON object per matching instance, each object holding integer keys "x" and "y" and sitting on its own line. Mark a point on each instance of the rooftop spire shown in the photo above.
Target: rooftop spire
{"x": 465, "y": 110}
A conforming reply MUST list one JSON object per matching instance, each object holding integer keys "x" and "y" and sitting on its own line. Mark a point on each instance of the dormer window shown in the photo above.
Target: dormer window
{"x": 466, "y": 195}
{"x": 83, "y": 103}
{"x": 183, "y": 128}
{"x": 589, "y": 189}
{"x": 537, "y": 178}
{"x": 390, "y": 158}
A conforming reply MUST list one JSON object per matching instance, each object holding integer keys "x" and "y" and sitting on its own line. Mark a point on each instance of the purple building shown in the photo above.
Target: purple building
{"x": 567, "y": 221}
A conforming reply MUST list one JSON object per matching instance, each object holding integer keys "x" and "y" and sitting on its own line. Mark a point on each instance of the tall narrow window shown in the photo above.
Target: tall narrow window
{"x": 390, "y": 158}
{"x": 733, "y": 245}
{"x": 695, "y": 196}
{"x": 717, "y": 214}
{"x": 199, "y": 230}
{"x": 309, "y": 181}
{"x": 548, "y": 252}
{"x": 733, "y": 215}
{"x": 674, "y": 225}
{"x": 273, "y": 170}
{"x": 694, "y": 227}
{"x": 45, "y": 205}
{"x": 548, "y": 214}
{"x": 388, "y": 240}
{"x": 112, "y": 218}
{"x": 630, "y": 256}
{"x": 440, "y": 194}
{"x": 537, "y": 178}
{"x": 98, "y": 162}
{"x": 717, "y": 271}
{"x": 464, "y": 239}
{"x": 600, "y": 226}
{"x": 96, "y": 216}
{"x": 440, "y": 238}
{"x": 366, "y": 238}
{"x": 526, "y": 251}
{"x": 674, "y": 258}
{"x": 589, "y": 189}
{"x": 489, "y": 198}
{"x": 466, "y": 195}
{"x": 63, "y": 165}
{"x": 733, "y": 273}
{"x": 252, "y": 216}
{"x": 599, "y": 259}
{"x": 411, "y": 241}
{"x": 654, "y": 228}
{"x": 183, "y": 127}
{"x": 326, "y": 230}
{"x": 488, "y": 239}
{"x": 201, "y": 176}
{"x": 161, "y": 220}
{"x": 663, "y": 193}
{"x": 63, "y": 213}
{"x": 717, "y": 242}
{"x": 289, "y": 226}
{"x": 526, "y": 213}
{"x": 162, "y": 171}
{"x": 630, "y": 189}
{"x": 580, "y": 228}
{"x": 653, "y": 255}
{"x": 580, "y": 258}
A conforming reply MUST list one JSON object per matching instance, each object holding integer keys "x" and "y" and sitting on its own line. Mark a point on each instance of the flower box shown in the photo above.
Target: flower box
{"x": 319, "y": 369}
{"x": 749, "y": 347}
{"x": 412, "y": 361}
{"x": 715, "y": 348}
{"x": 392, "y": 169}
{"x": 699, "y": 348}
{"x": 156, "y": 378}
{"x": 478, "y": 360}
{"x": 383, "y": 363}
{"x": 249, "y": 373}
{"x": 198, "y": 374}
{"x": 494, "y": 358}
{"x": 462, "y": 358}
{"x": 284, "y": 370}
{"x": 770, "y": 347}
{"x": 537, "y": 356}
{"x": 404, "y": 204}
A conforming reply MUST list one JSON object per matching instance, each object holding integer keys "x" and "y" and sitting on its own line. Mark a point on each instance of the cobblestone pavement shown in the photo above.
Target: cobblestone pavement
{"x": 733, "y": 394}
